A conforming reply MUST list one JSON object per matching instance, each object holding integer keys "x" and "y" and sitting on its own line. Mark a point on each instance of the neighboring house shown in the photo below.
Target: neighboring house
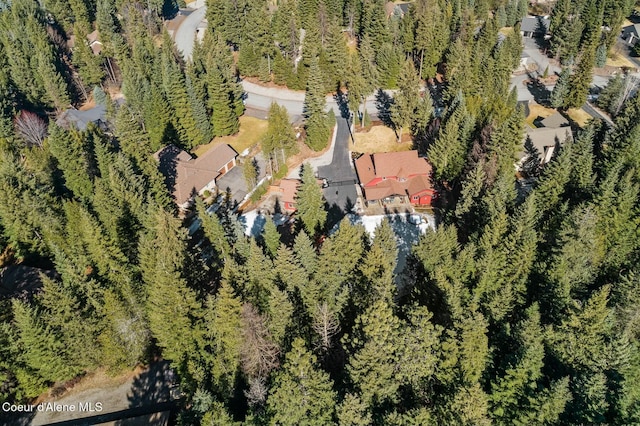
{"x": 534, "y": 26}
{"x": 545, "y": 140}
{"x": 288, "y": 189}
{"x": 186, "y": 176}
{"x": 631, "y": 34}
{"x": 397, "y": 10}
{"x": 94, "y": 43}
{"x": 73, "y": 118}
{"x": 22, "y": 281}
{"x": 395, "y": 176}
{"x": 555, "y": 121}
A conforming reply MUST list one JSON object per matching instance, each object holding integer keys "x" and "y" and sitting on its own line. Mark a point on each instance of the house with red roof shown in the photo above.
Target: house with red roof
{"x": 186, "y": 176}
{"x": 390, "y": 177}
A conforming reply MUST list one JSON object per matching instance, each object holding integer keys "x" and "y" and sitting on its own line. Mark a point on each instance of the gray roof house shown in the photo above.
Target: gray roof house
{"x": 81, "y": 119}
{"x": 545, "y": 140}
{"x": 534, "y": 26}
{"x": 555, "y": 121}
{"x": 631, "y": 34}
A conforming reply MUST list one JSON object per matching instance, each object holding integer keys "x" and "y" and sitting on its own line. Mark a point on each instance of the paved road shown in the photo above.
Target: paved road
{"x": 341, "y": 194}
{"x": 186, "y": 32}
{"x": 258, "y": 97}
{"x": 595, "y": 113}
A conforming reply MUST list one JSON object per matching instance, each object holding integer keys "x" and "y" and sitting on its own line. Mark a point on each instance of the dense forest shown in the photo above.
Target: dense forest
{"x": 521, "y": 308}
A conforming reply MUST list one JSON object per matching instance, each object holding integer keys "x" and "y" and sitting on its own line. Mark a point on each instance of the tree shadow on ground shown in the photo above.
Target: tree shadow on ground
{"x": 335, "y": 213}
{"x": 149, "y": 388}
{"x": 343, "y": 103}
{"x": 383, "y": 104}
{"x": 540, "y": 93}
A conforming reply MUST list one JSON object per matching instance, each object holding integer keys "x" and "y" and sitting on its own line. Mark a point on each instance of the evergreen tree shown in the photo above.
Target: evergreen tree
{"x": 372, "y": 366}
{"x": 280, "y": 141}
{"x": 310, "y": 202}
{"x": 224, "y": 118}
{"x": 74, "y": 151}
{"x": 370, "y": 73}
{"x": 561, "y": 89}
{"x": 449, "y": 151}
{"x": 173, "y": 309}
{"x": 406, "y": 100}
{"x": 302, "y": 394}
{"x": 271, "y": 237}
{"x": 41, "y": 348}
{"x": 581, "y": 79}
{"x": 223, "y": 331}
{"x": 318, "y": 124}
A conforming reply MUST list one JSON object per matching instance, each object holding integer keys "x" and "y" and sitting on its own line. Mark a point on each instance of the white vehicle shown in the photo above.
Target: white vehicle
{"x": 416, "y": 219}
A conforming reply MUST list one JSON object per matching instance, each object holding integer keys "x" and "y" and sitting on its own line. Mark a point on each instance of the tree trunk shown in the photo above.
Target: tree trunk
{"x": 364, "y": 112}
{"x": 421, "y": 60}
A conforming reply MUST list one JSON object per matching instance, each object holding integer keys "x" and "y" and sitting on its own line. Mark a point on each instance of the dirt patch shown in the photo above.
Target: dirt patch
{"x": 381, "y": 139}
{"x": 251, "y": 132}
{"x": 617, "y": 60}
{"x": 580, "y": 116}
{"x": 141, "y": 387}
{"x": 538, "y": 111}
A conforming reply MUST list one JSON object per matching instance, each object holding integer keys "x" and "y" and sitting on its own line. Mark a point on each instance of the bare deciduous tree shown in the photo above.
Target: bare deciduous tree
{"x": 257, "y": 393}
{"x": 31, "y": 128}
{"x": 325, "y": 325}
{"x": 259, "y": 354}
{"x": 630, "y": 87}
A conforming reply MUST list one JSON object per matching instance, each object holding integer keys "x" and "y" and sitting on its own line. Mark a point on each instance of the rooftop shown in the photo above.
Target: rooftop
{"x": 554, "y": 121}
{"x": 535, "y": 24}
{"x": 184, "y": 174}
{"x": 81, "y": 119}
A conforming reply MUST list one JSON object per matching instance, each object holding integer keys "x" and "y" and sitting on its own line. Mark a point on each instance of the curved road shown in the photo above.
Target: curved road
{"x": 258, "y": 97}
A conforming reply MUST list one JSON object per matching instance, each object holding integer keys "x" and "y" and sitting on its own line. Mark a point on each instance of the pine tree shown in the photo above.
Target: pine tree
{"x": 224, "y": 118}
{"x": 561, "y": 89}
{"x": 353, "y": 412}
{"x": 302, "y": 394}
{"x": 74, "y": 151}
{"x": 173, "y": 309}
{"x": 337, "y": 265}
{"x": 601, "y": 56}
{"x": 305, "y": 253}
{"x": 41, "y": 348}
{"x": 53, "y": 83}
{"x": 449, "y": 151}
{"x": 378, "y": 265}
{"x": 213, "y": 230}
{"x": 223, "y": 331}
{"x": 370, "y": 73}
{"x": 317, "y": 125}
{"x": 280, "y": 141}
{"x": 310, "y": 202}
{"x": 406, "y": 100}
{"x": 88, "y": 64}
{"x": 581, "y": 79}
{"x": 199, "y": 112}
{"x": 372, "y": 366}
{"x": 271, "y": 237}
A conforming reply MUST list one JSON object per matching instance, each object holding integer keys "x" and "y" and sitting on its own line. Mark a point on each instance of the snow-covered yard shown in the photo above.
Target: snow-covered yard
{"x": 408, "y": 228}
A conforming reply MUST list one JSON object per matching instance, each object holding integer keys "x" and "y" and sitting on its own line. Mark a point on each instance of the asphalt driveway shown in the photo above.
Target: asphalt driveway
{"x": 341, "y": 193}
